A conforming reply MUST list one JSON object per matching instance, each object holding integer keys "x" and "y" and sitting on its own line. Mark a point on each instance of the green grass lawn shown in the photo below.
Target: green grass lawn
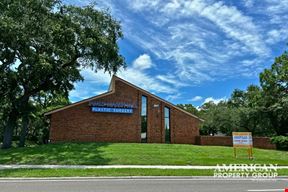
{"x": 110, "y": 172}
{"x": 135, "y": 154}
{"x": 101, "y": 172}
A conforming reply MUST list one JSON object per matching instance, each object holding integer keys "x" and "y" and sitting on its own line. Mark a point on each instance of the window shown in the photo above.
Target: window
{"x": 167, "y": 124}
{"x": 144, "y": 119}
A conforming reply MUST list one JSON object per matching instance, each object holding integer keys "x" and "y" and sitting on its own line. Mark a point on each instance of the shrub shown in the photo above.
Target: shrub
{"x": 281, "y": 142}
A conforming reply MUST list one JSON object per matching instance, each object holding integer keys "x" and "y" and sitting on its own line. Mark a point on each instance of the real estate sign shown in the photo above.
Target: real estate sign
{"x": 242, "y": 139}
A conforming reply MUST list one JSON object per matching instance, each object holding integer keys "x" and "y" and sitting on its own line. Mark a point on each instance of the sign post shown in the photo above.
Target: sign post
{"x": 243, "y": 140}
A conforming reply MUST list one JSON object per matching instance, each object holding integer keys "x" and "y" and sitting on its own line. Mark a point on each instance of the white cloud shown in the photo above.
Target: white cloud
{"x": 216, "y": 101}
{"x": 196, "y": 45}
{"x": 277, "y": 6}
{"x": 171, "y": 79}
{"x": 198, "y": 40}
{"x": 84, "y": 90}
{"x": 78, "y": 95}
{"x": 99, "y": 77}
{"x": 139, "y": 5}
{"x": 173, "y": 97}
{"x": 142, "y": 62}
{"x": 171, "y": 6}
{"x": 250, "y": 63}
{"x": 91, "y": 86}
{"x": 230, "y": 20}
{"x": 98, "y": 92}
{"x": 277, "y": 35}
{"x": 145, "y": 81}
{"x": 196, "y": 98}
{"x": 136, "y": 74}
{"x": 248, "y": 3}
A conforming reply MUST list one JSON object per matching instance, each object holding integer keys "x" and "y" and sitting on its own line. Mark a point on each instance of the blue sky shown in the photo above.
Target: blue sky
{"x": 192, "y": 51}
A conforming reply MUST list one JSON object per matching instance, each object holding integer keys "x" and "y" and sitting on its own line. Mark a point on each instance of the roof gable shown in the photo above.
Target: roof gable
{"x": 155, "y": 96}
{"x": 112, "y": 90}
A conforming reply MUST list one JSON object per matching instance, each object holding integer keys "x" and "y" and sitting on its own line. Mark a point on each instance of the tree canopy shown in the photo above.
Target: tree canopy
{"x": 44, "y": 44}
{"x": 261, "y": 110}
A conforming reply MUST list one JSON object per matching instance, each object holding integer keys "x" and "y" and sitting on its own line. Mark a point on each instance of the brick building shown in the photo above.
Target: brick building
{"x": 126, "y": 113}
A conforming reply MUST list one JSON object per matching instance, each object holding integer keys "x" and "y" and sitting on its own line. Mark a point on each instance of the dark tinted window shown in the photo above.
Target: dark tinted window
{"x": 167, "y": 124}
{"x": 144, "y": 119}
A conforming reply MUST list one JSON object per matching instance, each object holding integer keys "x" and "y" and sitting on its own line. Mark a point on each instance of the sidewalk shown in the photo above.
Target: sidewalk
{"x": 116, "y": 167}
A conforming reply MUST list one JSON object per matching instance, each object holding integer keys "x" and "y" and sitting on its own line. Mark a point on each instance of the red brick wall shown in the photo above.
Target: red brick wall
{"x": 263, "y": 142}
{"x": 184, "y": 129}
{"x": 155, "y": 124}
{"x": 258, "y": 142}
{"x": 78, "y": 123}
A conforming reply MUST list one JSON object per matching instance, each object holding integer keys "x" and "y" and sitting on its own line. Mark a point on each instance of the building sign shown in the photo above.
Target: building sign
{"x": 112, "y": 104}
{"x": 243, "y": 139}
{"x": 112, "y": 107}
{"x": 111, "y": 110}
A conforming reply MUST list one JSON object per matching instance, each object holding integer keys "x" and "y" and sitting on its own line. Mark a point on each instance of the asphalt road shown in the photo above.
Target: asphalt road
{"x": 141, "y": 185}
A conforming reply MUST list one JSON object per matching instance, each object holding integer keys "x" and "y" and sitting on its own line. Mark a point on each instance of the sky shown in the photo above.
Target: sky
{"x": 192, "y": 51}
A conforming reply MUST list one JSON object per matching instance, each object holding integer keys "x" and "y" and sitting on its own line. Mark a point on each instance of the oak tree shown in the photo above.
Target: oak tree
{"x": 44, "y": 44}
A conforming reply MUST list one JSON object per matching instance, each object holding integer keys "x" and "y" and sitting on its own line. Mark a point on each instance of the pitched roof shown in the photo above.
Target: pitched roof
{"x": 112, "y": 90}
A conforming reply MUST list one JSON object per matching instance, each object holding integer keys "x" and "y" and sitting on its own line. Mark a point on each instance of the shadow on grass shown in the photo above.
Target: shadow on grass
{"x": 60, "y": 153}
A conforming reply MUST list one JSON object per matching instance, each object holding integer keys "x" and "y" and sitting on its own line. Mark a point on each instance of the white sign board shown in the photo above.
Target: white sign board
{"x": 242, "y": 139}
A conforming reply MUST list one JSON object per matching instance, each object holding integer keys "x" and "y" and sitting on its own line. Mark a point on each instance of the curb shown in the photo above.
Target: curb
{"x": 139, "y": 178}
{"x": 116, "y": 167}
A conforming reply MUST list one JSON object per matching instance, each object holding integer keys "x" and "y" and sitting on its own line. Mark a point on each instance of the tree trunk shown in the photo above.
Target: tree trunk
{"x": 8, "y": 131}
{"x": 18, "y": 107}
{"x": 24, "y": 130}
{"x": 25, "y": 120}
